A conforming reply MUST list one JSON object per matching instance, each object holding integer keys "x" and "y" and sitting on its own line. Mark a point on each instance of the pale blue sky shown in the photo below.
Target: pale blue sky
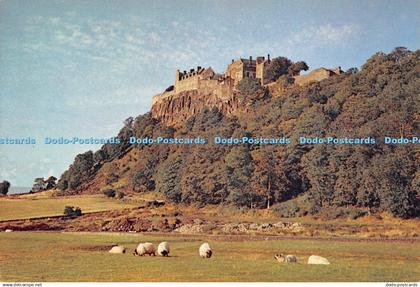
{"x": 81, "y": 67}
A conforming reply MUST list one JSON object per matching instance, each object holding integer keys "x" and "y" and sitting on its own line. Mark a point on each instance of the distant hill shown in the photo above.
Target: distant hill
{"x": 18, "y": 190}
{"x": 381, "y": 99}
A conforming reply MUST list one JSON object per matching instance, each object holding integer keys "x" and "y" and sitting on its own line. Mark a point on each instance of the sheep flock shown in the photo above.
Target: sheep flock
{"x": 205, "y": 252}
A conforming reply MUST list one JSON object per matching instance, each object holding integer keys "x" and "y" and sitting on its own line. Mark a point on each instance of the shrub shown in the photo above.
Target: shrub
{"x": 356, "y": 213}
{"x": 112, "y": 178}
{"x": 71, "y": 211}
{"x": 342, "y": 212}
{"x": 288, "y": 209}
{"x": 120, "y": 195}
{"x": 334, "y": 213}
{"x": 249, "y": 85}
{"x": 109, "y": 192}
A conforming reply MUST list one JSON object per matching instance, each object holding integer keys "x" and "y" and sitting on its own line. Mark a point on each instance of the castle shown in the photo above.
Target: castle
{"x": 222, "y": 84}
{"x": 199, "y": 88}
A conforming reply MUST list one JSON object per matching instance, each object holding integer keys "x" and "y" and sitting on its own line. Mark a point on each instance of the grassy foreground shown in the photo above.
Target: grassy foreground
{"x": 36, "y": 256}
{"x": 22, "y": 208}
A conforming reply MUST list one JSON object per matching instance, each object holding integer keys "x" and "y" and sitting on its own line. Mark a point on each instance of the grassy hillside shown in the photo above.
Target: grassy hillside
{"x": 84, "y": 257}
{"x": 21, "y": 208}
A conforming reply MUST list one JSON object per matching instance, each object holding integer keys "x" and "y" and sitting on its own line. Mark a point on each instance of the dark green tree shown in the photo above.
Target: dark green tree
{"x": 297, "y": 67}
{"x": 71, "y": 211}
{"x": 239, "y": 168}
{"x": 143, "y": 180}
{"x": 169, "y": 178}
{"x": 279, "y": 66}
{"x": 4, "y": 187}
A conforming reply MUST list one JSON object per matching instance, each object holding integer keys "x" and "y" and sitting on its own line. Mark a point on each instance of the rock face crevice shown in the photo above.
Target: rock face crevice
{"x": 178, "y": 108}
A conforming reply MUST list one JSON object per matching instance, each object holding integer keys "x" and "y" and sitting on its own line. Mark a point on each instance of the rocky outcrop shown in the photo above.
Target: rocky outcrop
{"x": 241, "y": 228}
{"x": 177, "y": 108}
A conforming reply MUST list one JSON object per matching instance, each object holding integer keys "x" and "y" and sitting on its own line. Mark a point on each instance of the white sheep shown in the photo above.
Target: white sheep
{"x": 145, "y": 248}
{"x": 205, "y": 250}
{"x": 285, "y": 258}
{"x": 8, "y": 230}
{"x": 163, "y": 249}
{"x": 117, "y": 249}
{"x": 315, "y": 259}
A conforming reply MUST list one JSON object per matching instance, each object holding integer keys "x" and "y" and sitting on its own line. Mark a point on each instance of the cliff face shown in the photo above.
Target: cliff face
{"x": 176, "y": 109}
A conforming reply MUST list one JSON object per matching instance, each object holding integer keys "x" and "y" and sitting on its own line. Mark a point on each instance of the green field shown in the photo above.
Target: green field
{"x": 22, "y": 208}
{"x": 36, "y": 256}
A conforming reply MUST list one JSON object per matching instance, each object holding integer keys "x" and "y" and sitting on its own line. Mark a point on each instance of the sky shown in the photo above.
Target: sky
{"x": 79, "y": 68}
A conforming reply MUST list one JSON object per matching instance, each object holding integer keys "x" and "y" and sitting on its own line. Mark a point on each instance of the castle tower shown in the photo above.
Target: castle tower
{"x": 177, "y": 79}
{"x": 261, "y": 66}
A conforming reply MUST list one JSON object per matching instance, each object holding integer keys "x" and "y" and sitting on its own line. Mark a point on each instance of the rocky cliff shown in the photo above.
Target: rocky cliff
{"x": 175, "y": 109}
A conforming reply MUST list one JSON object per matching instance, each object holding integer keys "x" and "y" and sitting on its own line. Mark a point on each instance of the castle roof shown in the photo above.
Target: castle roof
{"x": 247, "y": 61}
{"x": 207, "y": 73}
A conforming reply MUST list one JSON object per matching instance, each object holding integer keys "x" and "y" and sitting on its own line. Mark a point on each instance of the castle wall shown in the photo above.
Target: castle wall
{"x": 314, "y": 76}
{"x": 235, "y": 71}
{"x": 190, "y": 83}
{"x": 222, "y": 90}
{"x": 260, "y": 70}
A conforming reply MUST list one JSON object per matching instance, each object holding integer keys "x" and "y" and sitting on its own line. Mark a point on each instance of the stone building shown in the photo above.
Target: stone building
{"x": 202, "y": 79}
{"x": 241, "y": 68}
{"x": 317, "y": 75}
{"x": 187, "y": 81}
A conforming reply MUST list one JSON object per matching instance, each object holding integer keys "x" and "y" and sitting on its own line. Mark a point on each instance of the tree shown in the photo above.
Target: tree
{"x": 321, "y": 177}
{"x": 169, "y": 178}
{"x": 143, "y": 180}
{"x": 239, "y": 168}
{"x": 39, "y": 185}
{"x": 203, "y": 180}
{"x": 100, "y": 155}
{"x": 4, "y": 187}
{"x": 278, "y": 66}
{"x": 297, "y": 67}
{"x": 352, "y": 70}
{"x": 81, "y": 170}
{"x": 71, "y": 211}
{"x": 397, "y": 196}
{"x": 51, "y": 182}
{"x": 110, "y": 192}
{"x": 399, "y": 53}
{"x": 369, "y": 189}
{"x": 347, "y": 162}
{"x": 128, "y": 122}
{"x": 268, "y": 179}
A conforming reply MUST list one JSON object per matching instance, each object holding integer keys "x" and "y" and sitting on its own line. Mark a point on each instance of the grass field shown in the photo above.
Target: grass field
{"x": 33, "y": 256}
{"x": 21, "y": 208}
